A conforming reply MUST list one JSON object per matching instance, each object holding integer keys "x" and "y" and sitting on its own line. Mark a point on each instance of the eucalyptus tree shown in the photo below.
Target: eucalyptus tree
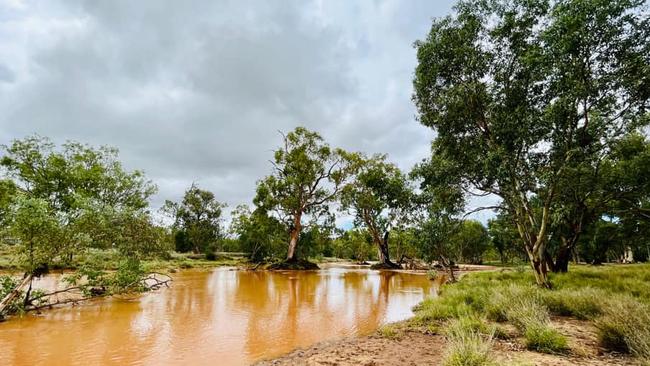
{"x": 379, "y": 196}
{"x": 518, "y": 91}
{"x": 198, "y": 220}
{"x": 307, "y": 176}
{"x": 614, "y": 184}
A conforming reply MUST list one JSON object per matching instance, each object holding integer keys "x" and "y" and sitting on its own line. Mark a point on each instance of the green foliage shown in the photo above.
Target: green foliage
{"x": 379, "y": 196}
{"x": 471, "y": 241}
{"x": 355, "y": 244}
{"x": 8, "y": 192}
{"x": 39, "y": 232}
{"x": 64, "y": 176}
{"x": 7, "y": 284}
{"x": 505, "y": 239}
{"x": 128, "y": 276}
{"x": 308, "y": 174}
{"x": 197, "y": 220}
{"x": 65, "y": 204}
{"x": 542, "y": 338}
{"x": 262, "y": 237}
{"x": 526, "y": 98}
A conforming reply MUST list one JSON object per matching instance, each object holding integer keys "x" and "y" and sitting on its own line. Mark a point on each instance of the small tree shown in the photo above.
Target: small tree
{"x": 380, "y": 197}
{"x": 308, "y": 175}
{"x": 261, "y": 236}
{"x": 198, "y": 220}
{"x": 471, "y": 241}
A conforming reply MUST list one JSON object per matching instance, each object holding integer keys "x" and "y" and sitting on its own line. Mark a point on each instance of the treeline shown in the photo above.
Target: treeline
{"x": 539, "y": 105}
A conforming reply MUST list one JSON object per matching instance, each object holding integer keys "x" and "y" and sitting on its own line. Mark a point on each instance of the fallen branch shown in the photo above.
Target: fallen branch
{"x": 158, "y": 283}
{"x": 14, "y": 294}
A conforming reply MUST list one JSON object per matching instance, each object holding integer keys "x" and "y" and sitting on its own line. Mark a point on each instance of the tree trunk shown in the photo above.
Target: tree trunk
{"x": 562, "y": 260}
{"x": 382, "y": 250}
{"x": 294, "y": 236}
{"x": 382, "y": 246}
{"x": 535, "y": 244}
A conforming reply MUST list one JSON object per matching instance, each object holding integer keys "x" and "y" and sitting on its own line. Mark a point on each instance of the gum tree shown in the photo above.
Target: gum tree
{"x": 379, "y": 196}
{"x": 519, "y": 91}
{"x": 307, "y": 176}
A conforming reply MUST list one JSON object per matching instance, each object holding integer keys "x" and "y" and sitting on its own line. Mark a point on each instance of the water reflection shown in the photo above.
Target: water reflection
{"x": 224, "y": 317}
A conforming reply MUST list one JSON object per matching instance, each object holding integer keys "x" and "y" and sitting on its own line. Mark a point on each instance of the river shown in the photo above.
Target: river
{"x": 220, "y": 317}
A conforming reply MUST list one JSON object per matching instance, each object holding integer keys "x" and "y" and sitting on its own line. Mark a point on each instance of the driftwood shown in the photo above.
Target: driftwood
{"x": 14, "y": 294}
{"x": 153, "y": 281}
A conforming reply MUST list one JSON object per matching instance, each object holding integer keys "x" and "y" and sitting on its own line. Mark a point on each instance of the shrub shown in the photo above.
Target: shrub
{"x": 432, "y": 274}
{"x": 467, "y": 347}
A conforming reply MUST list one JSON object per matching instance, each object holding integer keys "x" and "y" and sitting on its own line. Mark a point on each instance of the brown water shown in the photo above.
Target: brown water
{"x": 224, "y": 317}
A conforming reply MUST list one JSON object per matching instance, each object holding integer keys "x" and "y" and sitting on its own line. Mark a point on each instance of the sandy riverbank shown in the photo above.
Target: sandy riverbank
{"x": 417, "y": 347}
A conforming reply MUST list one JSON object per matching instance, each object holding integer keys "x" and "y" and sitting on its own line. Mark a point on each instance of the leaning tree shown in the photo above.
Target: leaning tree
{"x": 379, "y": 196}
{"x": 520, "y": 91}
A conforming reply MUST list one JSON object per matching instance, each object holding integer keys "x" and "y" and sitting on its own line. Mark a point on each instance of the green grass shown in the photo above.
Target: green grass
{"x": 392, "y": 331}
{"x": 544, "y": 338}
{"x": 468, "y": 346}
{"x": 625, "y": 327}
{"x": 615, "y": 297}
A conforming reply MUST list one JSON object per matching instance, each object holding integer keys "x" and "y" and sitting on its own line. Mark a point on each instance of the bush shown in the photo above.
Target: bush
{"x": 466, "y": 346}
{"x": 432, "y": 274}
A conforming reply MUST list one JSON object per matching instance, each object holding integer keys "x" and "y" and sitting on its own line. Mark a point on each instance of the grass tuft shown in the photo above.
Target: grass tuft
{"x": 542, "y": 338}
{"x": 467, "y": 347}
{"x": 625, "y": 327}
{"x": 390, "y": 331}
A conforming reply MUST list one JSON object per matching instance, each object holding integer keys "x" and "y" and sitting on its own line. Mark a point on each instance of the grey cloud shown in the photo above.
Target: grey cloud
{"x": 197, "y": 90}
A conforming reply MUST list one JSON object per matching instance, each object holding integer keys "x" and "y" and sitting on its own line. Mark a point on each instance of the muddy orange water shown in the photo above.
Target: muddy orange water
{"x": 223, "y": 317}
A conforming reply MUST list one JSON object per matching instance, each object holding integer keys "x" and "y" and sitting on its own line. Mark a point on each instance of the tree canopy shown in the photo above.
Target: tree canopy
{"x": 521, "y": 92}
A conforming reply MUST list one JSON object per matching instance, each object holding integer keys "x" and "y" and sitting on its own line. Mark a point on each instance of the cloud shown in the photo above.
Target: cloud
{"x": 195, "y": 91}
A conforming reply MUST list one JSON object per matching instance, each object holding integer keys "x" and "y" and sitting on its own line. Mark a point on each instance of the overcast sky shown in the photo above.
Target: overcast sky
{"x": 195, "y": 91}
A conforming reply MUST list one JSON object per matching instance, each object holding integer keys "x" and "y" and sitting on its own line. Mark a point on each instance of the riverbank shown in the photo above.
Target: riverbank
{"x": 594, "y": 316}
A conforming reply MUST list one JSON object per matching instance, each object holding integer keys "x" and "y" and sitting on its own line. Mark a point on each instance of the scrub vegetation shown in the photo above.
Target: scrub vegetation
{"x": 615, "y": 299}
